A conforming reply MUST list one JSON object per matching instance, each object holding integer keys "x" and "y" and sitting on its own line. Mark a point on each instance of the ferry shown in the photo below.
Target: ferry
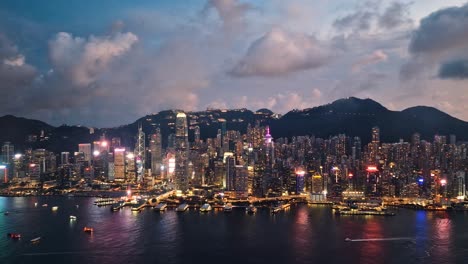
{"x": 182, "y": 208}
{"x": 228, "y": 208}
{"x": 251, "y": 209}
{"x": 45, "y": 205}
{"x": 54, "y": 208}
{"x": 88, "y": 229}
{"x": 205, "y": 208}
{"x": 72, "y": 217}
{"x": 280, "y": 207}
{"x": 160, "y": 207}
{"x": 14, "y": 235}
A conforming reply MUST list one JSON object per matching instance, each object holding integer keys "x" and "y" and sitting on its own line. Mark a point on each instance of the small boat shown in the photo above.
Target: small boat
{"x": 182, "y": 208}
{"x": 160, "y": 207}
{"x": 45, "y": 205}
{"x": 54, "y": 208}
{"x": 14, "y": 235}
{"x": 348, "y": 239}
{"x": 35, "y": 204}
{"x": 251, "y": 209}
{"x": 35, "y": 240}
{"x": 72, "y": 217}
{"x": 6, "y": 213}
{"x": 206, "y": 207}
{"x": 88, "y": 229}
{"x": 77, "y": 206}
{"x": 227, "y": 208}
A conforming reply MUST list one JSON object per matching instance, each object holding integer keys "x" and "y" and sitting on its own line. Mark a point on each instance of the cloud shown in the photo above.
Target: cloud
{"x": 374, "y": 58}
{"x": 367, "y": 17}
{"x": 84, "y": 60}
{"x": 358, "y": 21}
{"x": 439, "y": 44}
{"x": 231, "y": 12}
{"x": 441, "y": 31}
{"x": 454, "y": 70}
{"x": 280, "y": 52}
{"x": 395, "y": 15}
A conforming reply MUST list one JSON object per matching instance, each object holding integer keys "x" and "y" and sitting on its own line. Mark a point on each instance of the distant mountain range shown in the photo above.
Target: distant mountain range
{"x": 351, "y": 116}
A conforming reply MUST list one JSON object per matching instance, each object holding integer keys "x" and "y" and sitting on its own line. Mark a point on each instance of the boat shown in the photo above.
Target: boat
{"x": 45, "y": 205}
{"x": 160, "y": 207}
{"x": 348, "y": 239}
{"x": 88, "y": 229}
{"x": 205, "y": 208}
{"x": 35, "y": 240}
{"x": 228, "y": 208}
{"x": 280, "y": 207}
{"x": 14, "y": 235}
{"x": 35, "y": 204}
{"x": 182, "y": 208}
{"x": 77, "y": 206}
{"x": 251, "y": 209}
{"x": 54, "y": 208}
{"x": 6, "y": 213}
{"x": 72, "y": 217}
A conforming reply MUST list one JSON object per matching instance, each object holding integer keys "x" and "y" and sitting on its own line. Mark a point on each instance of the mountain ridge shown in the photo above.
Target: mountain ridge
{"x": 351, "y": 116}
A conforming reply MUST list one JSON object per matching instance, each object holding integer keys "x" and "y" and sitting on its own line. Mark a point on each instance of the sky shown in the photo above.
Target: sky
{"x": 107, "y": 63}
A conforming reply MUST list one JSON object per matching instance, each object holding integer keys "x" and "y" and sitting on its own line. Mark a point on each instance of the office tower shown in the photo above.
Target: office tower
{"x": 197, "y": 135}
{"x": 460, "y": 184}
{"x": 453, "y": 139}
{"x": 156, "y": 152}
{"x": 115, "y": 142}
{"x": 130, "y": 166}
{"x": 64, "y": 158}
{"x": 8, "y": 152}
{"x": 181, "y": 148}
{"x": 241, "y": 176}
{"x": 140, "y": 153}
{"x": 85, "y": 148}
{"x": 119, "y": 164}
{"x": 229, "y": 182}
{"x": 317, "y": 184}
{"x": 374, "y": 145}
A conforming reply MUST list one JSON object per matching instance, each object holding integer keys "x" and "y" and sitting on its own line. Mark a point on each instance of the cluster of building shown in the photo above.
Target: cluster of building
{"x": 253, "y": 163}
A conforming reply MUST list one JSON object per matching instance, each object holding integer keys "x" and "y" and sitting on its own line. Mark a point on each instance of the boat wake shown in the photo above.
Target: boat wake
{"x": 379, "y": 239}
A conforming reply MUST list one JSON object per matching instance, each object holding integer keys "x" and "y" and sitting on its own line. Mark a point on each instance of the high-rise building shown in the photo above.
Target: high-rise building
{"x": 64, "y": 158}
{"x": 181, "y": 148}
{"x": 119, "y": 164}
{"x": 156, "y": 152}
{"x": 85, "y": 148}
{"x": 140, "y": 153}
{"x": 8, "y": 152}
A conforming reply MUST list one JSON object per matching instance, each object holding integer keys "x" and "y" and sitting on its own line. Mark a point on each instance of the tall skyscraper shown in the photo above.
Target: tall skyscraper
{"x": 156, "y": 152}
{"x": 181, "y": 148}
{"x": 64, "y": 158}
{"x": 140, "y": 153}
{"x": 119, "y": 164}
{"x": 85, "y": 148}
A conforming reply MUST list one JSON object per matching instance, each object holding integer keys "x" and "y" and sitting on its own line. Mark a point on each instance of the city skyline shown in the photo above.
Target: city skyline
{"x": 99, "y": 64}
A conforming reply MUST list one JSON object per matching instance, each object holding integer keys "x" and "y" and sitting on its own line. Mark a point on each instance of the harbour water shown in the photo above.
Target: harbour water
{"x": 301, "y": 234}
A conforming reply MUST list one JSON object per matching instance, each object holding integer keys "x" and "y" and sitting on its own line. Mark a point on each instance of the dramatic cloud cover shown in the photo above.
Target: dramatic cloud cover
{"x": 103, "y": 64}
{"x": 279, "y": 52}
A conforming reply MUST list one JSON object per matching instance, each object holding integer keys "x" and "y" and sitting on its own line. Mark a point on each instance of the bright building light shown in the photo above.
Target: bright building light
{"x": 96, "y": 153}
{"x": 2, "y": 167}
{"x": 17, "y": 156}
{"x": 130, "y": 156}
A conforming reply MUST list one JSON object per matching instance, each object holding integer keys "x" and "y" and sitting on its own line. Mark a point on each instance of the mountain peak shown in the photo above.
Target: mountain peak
{"x": 357, "y": 104}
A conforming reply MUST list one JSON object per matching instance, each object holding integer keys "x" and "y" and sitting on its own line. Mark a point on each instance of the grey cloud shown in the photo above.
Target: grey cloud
{"x": 440, "y": 31}
{"x": 280, "y": 52}
{"x": 454, "y": 70}
{"x": 360, "y": 20}
{"x": 438, "y": 45}
{"x": 395, "y": 15}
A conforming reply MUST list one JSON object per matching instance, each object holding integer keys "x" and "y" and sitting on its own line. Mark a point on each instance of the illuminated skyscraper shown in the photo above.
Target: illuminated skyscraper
{"x": 119, "y": 164}
{"x": 85, "y": 148}
{"x": 156, "y": 152}
{"x": 140, "y": 153}
{"x": 181, "y": 148}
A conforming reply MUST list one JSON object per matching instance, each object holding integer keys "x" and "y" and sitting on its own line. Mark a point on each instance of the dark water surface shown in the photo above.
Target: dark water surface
{"x": 303, "y": 234}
